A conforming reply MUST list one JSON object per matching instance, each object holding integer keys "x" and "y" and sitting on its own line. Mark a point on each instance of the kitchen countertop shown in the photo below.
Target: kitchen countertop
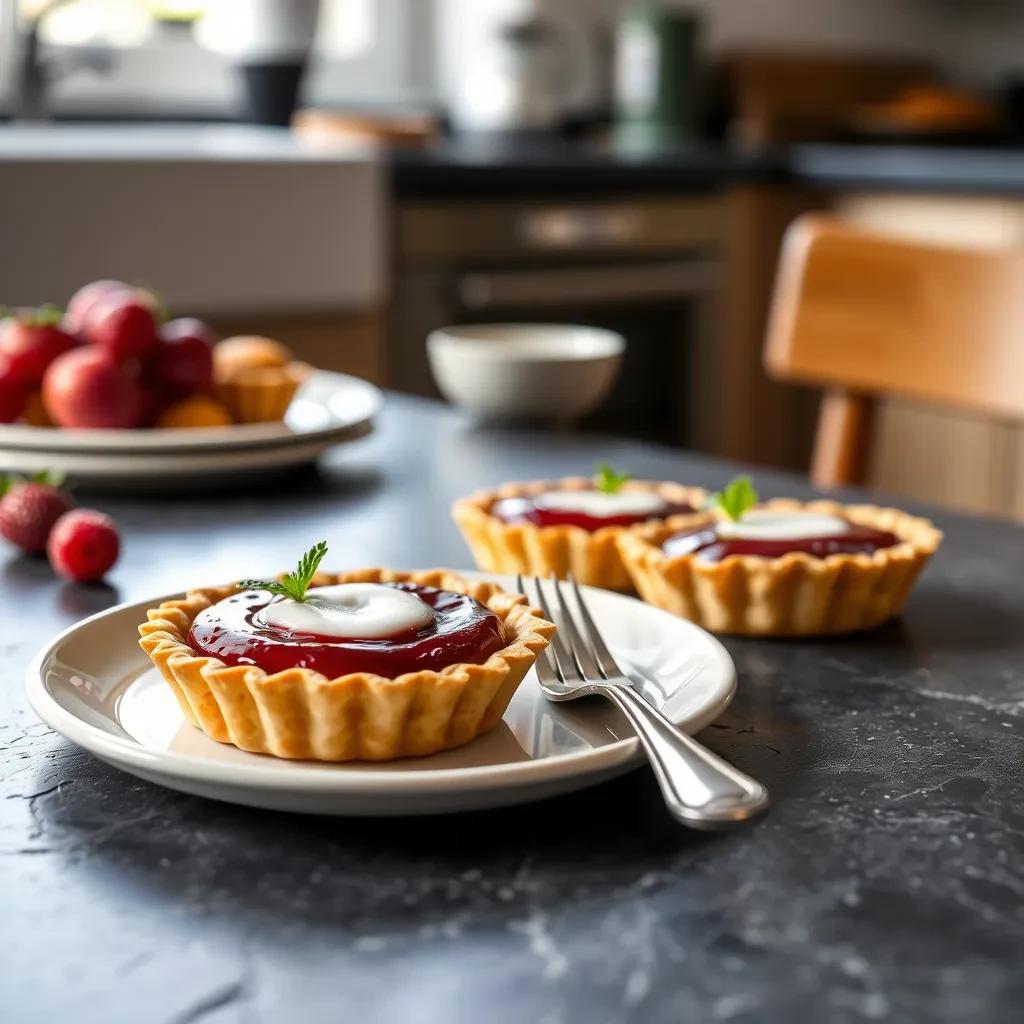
{"x": 226, "y": 221}
{"x": 886, "y": 883}
{"x": 482, "y": 166}
{"x": 170, "y": 142}
{"x": 991, "y": 169}
{"x": 474, "y": 168}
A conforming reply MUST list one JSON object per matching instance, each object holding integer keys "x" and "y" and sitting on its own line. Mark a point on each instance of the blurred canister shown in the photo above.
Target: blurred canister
{"x": 269, "y": 42}
{"x": 657, "y": 75}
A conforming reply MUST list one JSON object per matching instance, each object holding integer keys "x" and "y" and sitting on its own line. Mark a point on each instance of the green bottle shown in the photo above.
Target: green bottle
{"x": 657, "y": 76}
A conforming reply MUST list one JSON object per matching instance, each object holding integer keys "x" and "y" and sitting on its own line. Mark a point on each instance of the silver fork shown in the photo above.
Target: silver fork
{"x": 700, "y": 789}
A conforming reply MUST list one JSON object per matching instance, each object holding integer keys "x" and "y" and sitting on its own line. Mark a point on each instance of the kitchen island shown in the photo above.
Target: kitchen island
{"x": 884, "y": 884}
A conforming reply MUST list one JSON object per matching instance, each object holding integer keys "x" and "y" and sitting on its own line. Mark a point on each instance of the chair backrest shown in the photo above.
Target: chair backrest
{"x": 865, "y": 315}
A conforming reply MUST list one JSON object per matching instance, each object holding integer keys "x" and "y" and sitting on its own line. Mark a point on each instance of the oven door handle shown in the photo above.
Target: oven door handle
{"x": 600, "y": 285}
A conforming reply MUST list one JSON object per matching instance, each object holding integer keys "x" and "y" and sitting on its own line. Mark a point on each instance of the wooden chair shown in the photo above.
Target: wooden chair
{"x": 865, "y": 315}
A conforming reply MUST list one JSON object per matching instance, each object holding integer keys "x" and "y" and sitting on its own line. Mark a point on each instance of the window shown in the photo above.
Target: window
{"x": 140, "y": 57}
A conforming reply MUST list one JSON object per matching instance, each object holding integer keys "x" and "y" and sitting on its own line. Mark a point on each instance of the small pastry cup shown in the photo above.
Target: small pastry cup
{"x": 261, "y": 394}
{"x": 591, "y": 558}
{"x": 299, "y": 713}
{"x": 794, "y": 595}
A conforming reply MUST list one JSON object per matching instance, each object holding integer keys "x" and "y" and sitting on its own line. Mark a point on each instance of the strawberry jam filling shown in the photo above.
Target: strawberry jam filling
{"x": 536, "y": 511}
{"x": 706, "y": 543}
{"x": 460, "y": 630}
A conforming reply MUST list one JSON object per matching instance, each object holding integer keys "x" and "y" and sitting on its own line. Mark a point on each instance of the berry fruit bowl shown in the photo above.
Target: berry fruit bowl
{"x": 329, "y": 409}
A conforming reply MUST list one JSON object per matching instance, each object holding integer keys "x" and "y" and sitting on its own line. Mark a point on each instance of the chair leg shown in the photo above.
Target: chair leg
{"x": 842, "y": 441}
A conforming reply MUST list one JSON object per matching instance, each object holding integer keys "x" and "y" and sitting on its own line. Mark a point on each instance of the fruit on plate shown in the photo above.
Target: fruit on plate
{"x": 83, "y": 545}
{"x": 256, "y": 378}
{"x": 31, "y": 339}
{"x": 131, "y": 369}
{"x": 197, "y": 411}
{"x": 86, "y": 388}
{"x": 84, "y": 299}
{"x": 182, "y": 361}
{"x": 249, "y": 352}
{"x": 123, "y": 323}
{"x": 13, "y": 392}
{"x": 28, "y": 510}
{"x": 35, "y": 414}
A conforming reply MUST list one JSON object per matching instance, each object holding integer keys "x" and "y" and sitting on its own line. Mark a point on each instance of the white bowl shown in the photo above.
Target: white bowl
{"x": 525, "y": 371}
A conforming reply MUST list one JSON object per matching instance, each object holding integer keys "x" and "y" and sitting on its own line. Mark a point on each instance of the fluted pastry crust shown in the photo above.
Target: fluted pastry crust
{"x": 260, "y": 394}
{"x": 592, "y": 558}
{"x": 299, "y": 713}
{"x": 794, "y": 595}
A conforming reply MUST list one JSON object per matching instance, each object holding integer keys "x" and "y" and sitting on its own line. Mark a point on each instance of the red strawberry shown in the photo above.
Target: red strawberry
{"x": 183, "y": 361}
{"x": 85, "y": 298}
{"x": 14, "y": 392}
{"x": 83, "y": 545}
{"x": 123, "y": 323}
{"x": 28, "y": 512}
{"x": 31, "y": 339}
{"x": 86, "y": 388}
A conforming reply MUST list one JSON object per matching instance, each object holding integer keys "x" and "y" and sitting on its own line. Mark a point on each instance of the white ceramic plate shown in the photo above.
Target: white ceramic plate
{"x": 328, "y": 409}
{"x": 95, "y": 686}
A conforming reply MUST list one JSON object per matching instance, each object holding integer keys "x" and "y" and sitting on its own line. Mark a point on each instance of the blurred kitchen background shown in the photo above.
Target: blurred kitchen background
{"x": 349, "y": 175}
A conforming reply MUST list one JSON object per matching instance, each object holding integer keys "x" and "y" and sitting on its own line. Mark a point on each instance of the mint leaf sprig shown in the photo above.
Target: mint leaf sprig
{"x": 293, "y": 584}
{"x": 736, "y": 499}
{"x": 607, "y": 481}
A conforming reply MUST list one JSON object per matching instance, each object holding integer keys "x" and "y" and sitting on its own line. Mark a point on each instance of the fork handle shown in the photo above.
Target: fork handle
{"x": 700, "y": 789}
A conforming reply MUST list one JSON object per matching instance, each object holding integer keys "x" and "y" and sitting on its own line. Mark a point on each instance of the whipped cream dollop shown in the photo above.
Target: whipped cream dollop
{"x": 600, "y": 504}
{"x": 779, "y": 524}
{"x": 350, "y": 611}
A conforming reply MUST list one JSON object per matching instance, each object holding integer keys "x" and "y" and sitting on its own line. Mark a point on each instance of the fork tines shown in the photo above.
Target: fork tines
{"x": 578, "y": 653}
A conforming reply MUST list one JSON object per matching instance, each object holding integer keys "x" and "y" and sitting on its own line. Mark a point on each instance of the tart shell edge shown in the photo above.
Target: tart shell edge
{"x": 592, "y": 558}
{"x": 301, "y": 714}
{"x": 794, "y": 595}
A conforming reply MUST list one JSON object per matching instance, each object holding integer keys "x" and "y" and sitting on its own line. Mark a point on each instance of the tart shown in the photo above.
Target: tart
{"x": 784, "y": 568}
{"x": 256, "y": 378}
{"x": 569, "y": 526}
{"x": 435, "y": 663}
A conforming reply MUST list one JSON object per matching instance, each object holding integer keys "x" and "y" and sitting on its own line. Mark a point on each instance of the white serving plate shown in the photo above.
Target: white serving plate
{"x": 329, "y": 409}
{"x": 94, "y": 685}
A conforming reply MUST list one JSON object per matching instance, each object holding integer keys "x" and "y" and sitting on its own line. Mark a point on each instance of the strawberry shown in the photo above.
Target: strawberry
{"x": 83, "y": 545}
{"x": 85, "y": 298}
{"x": 183, "y": 360}
{"x": 28, "y": 511}
{"x": 14, "y": 392}
{"x": 31, "y": 339}
{"x": 86, "y": 388}
{"x": 123, "y": 324}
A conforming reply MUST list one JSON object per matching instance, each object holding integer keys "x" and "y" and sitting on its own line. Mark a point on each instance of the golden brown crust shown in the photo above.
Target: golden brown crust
{"x": 260, "y": 394}
{"x": 299, "y": 713}
{"x": 248, "y": 351}
{"x": 795, "y": 595}
{"x": 592, "y": 558}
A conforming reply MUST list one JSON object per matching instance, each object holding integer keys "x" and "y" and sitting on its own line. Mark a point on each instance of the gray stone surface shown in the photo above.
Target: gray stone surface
{"x": 885, "y": 884}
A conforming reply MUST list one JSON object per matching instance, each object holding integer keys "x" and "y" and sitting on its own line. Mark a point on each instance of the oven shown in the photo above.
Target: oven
{"x": 647, "y": 268}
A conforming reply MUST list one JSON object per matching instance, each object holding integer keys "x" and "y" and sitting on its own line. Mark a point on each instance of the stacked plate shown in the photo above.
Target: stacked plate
{"x": 329, "y": 409}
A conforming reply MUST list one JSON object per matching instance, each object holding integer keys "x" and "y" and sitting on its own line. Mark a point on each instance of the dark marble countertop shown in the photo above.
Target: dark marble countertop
{"x": 484, "y": 167}
{"x": 470, "y": 168}
{"x": 886, "y": 883}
